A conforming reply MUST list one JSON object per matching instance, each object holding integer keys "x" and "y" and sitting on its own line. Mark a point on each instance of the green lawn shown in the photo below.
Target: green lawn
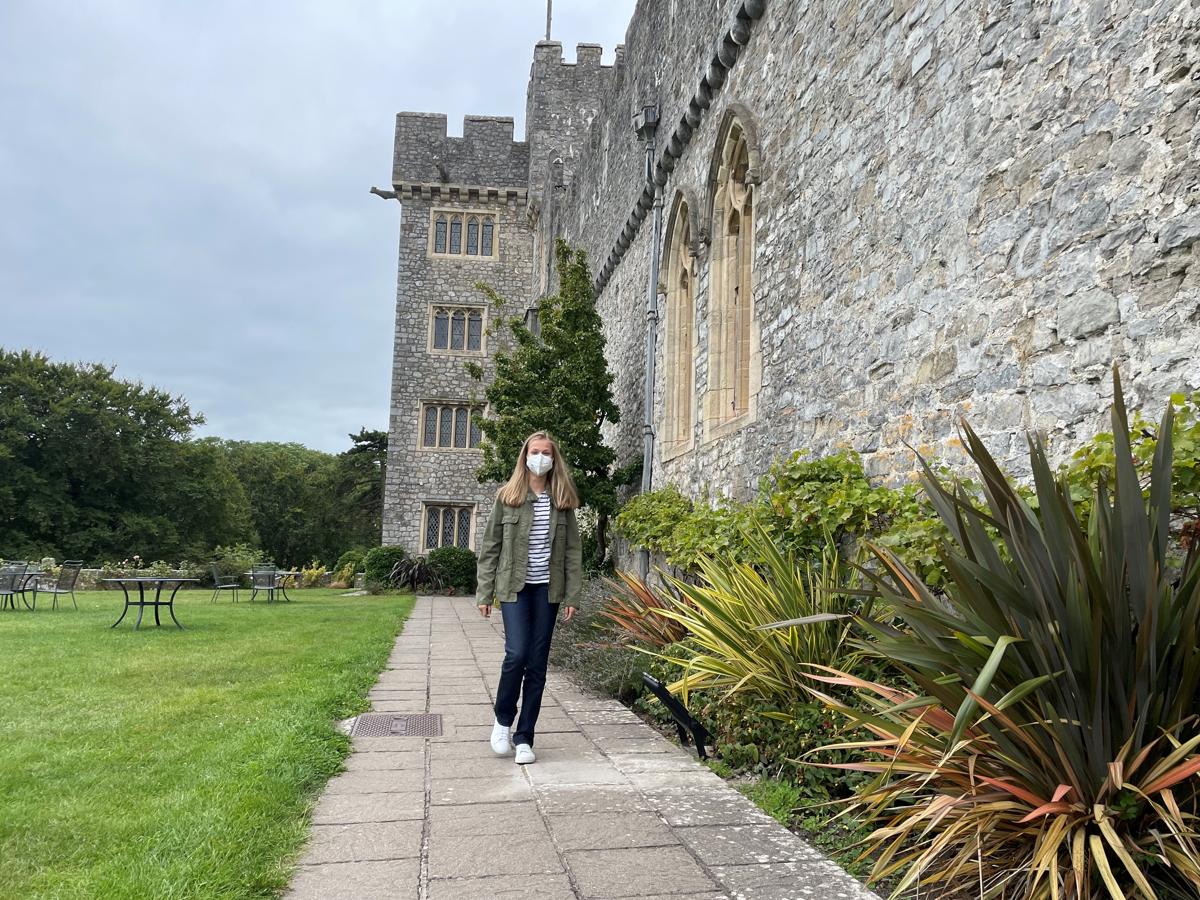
{"x": 165, "y": 763}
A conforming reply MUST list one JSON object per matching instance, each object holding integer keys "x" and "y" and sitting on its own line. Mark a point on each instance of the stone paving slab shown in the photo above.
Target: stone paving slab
{"x": 456, "y": 856}
{"x": 527, "y": 887}
{"x": 390, "y": 879}
{"x": 377, "y": 781}
{"x": 610, "y": 810}
{"x": 386, "y": 760}
{"x": 365, "y": 841}
{"x": 637, "y": 872}
{"x": 611, "y": 831}
{"x": 346, "y": 809}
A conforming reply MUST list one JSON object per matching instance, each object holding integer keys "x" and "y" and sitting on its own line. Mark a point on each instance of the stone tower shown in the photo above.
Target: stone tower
{"x": 469, "y": 206}
{"x": 463, "y": 221}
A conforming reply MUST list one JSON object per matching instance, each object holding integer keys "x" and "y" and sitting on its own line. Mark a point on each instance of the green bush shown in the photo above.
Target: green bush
{"x": 378, "y": 565}
{"x": 455, "y": 567}
{"x": 1097, "y": 459}
{"x": 802, "y": 504}
{"x": 352, "y": 559}
{"x": 235, "y": 560}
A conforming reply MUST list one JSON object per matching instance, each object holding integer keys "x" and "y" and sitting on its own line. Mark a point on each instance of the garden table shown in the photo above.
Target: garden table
{"x": 142, "y": 600}
{"x": 21, "y": 586}
{"x": 30, "y": 575}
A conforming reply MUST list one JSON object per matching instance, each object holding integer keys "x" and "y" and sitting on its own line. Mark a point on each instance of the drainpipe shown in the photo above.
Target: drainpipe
{"x": 646, "y": 124}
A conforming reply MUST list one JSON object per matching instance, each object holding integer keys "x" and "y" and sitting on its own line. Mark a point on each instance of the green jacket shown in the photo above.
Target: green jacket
{"x": 504, "y": 554}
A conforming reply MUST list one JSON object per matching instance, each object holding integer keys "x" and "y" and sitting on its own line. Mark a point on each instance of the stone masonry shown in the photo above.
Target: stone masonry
{"x": 960, "y": 209}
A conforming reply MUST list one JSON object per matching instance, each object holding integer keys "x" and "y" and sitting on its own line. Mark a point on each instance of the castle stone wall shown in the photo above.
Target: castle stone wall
{"x": 965, "y": 209}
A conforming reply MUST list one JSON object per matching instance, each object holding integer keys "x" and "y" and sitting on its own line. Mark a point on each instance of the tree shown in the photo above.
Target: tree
{"x": 289, "y": 488}
{"x": 557, "y": 381}
{"x": 359, "y": 487}
{"x": 95, "y": 467}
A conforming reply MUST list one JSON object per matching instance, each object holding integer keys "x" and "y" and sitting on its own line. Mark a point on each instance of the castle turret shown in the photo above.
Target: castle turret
{"x": 560, "y": 104}
{"x": 464, "y": 221}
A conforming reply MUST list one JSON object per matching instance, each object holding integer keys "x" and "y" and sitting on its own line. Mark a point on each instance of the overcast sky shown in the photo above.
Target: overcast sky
{"x": 184, "y": 186}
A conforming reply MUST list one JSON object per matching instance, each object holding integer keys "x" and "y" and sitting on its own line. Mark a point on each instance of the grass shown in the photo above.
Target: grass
{"x": 171, "y": 764}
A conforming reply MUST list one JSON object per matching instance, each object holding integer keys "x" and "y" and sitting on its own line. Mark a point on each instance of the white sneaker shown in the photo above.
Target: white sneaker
{"x": 500, "y": 742}
{"x": 524, "y": 755}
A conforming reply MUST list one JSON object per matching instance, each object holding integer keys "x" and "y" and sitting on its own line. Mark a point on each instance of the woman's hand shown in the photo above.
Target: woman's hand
{"x": 485, "y": 610}
{"x": 569, "y": 614}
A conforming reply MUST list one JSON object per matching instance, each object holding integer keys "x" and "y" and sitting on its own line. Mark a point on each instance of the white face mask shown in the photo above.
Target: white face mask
{"x": 538, "y": 463}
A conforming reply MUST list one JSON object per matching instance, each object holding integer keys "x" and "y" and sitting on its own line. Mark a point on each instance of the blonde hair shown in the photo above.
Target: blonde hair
{"x": 559, "y": 483}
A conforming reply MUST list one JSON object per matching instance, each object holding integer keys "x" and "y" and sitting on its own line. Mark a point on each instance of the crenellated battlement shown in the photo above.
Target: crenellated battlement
{"x": 587, "y": 56}
{"x": 485, "y": 158}
{"x": 560, "y": 103}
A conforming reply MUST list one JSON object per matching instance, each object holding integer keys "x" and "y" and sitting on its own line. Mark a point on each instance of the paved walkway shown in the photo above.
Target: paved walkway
{"x": 610, "y": 809}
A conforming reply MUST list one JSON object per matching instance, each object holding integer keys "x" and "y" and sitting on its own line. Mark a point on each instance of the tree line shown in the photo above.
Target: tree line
{"x": 97, "y": 468}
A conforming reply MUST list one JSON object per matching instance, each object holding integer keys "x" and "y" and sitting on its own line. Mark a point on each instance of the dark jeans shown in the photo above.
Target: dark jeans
{"x": 528, "y": 627}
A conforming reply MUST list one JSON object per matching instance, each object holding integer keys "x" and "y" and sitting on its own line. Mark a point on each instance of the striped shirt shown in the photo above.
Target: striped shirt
{"x": 539, "y": 542}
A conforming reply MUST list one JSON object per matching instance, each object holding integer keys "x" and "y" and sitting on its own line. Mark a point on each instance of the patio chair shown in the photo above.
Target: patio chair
{"x": 64, "y": 584}
{"x": 12, "y": 577}
{"x": 262, "y": 578}
{"x": 224, "y": 583}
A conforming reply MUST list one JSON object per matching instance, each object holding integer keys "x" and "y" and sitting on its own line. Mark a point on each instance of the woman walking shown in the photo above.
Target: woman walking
{"x": 531, "y": 561}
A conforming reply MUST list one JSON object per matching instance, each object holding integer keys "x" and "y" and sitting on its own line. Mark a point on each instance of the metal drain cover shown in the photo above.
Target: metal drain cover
{"x": 394, "y": 725}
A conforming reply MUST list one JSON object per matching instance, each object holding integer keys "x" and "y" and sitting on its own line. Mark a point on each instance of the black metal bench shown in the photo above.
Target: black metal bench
{"x": 685, "y": 722}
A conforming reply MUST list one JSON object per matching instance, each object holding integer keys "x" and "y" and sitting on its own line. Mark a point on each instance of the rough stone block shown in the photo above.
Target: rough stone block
{"x": 1087, "y": 312}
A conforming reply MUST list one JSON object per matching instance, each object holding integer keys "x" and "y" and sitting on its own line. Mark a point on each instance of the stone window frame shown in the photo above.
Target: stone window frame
{"x": 451, "y": 310}
{"x": 458, "y": 506}
{"x": 440, "y": 422}
{"x": 447, "y": 237}
{"x": 734, "y": 344}
{"x": 681, "y": 343}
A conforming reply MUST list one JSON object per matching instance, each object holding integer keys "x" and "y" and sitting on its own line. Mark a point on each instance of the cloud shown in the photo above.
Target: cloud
{"x": 185, "y": 187}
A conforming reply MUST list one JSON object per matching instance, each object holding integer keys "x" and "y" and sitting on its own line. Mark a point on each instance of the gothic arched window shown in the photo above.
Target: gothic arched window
{"x": 679, "y": 361}
{"x": 732, "y": 350}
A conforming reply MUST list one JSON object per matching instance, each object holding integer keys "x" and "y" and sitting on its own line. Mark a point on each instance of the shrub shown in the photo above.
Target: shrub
{"x": 1096, "y": 459}
{"x": 729, "y": 613}
{"x": 416, "y": 574}
{"x": 351, "y": 559}
{"x": 802, "y": 504}
{"x": 633, "y": 610}
{"x": 311, "y": 575}
{"x": 236, "y": 559}
{"x": 584, "y": 650}
{"x": 348, "y": 565}
{"x": 455, "y": 567}
{"x": 1050, "y": 747}
{"x": 378, "y": 565}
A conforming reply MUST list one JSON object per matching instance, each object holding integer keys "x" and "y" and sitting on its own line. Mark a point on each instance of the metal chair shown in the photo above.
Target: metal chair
{"x": 262, "y": 578}
{"x": 224, "y": 583}
{"x": 12, "y": 576}
{"x": 64, "y": 584}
